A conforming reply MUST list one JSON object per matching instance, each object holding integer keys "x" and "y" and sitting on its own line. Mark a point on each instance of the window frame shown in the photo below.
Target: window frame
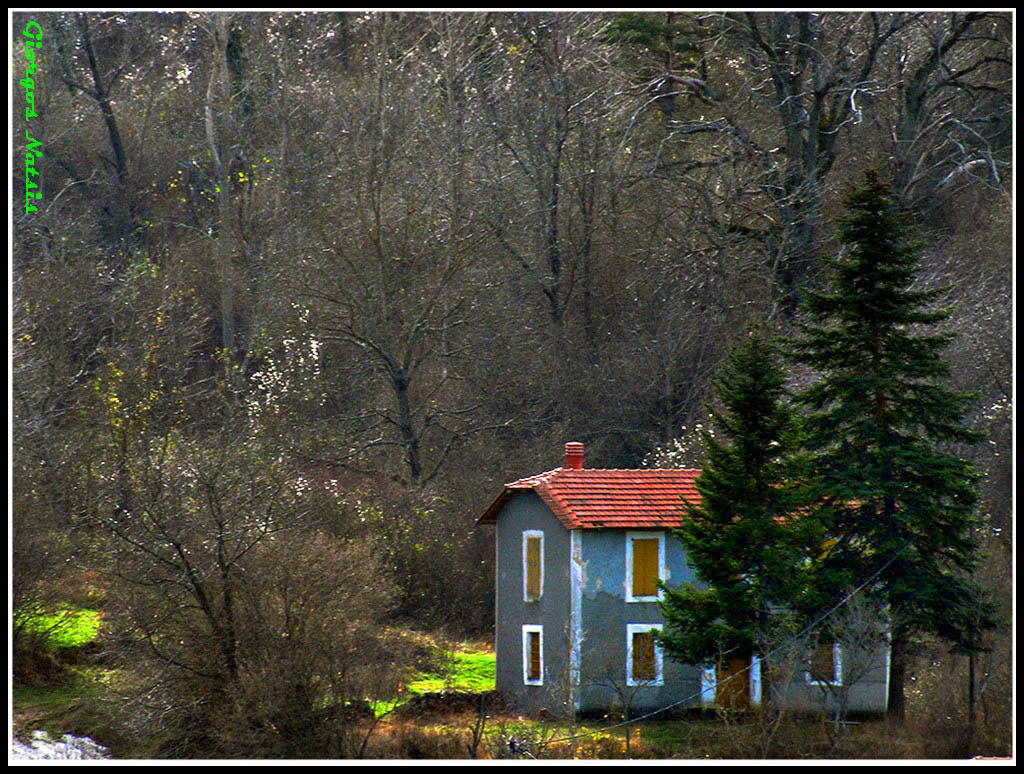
{"x": 662, "y": 571}
{"x": 659, "y": 661}
{"x": 529, "y": 629}
{"x": 527, "y": 535}
{"x": 837, "y": 668}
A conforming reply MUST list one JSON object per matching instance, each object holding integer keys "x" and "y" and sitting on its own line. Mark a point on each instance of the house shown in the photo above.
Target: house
{"x": 578, "y": 552}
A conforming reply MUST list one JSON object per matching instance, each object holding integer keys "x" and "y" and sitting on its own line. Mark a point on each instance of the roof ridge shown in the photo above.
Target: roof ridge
{"x": 535, "y": 477}
{"x": 547, "y": 474}
{"x": 609, "y": 497}
{"x": 629, "y": 470}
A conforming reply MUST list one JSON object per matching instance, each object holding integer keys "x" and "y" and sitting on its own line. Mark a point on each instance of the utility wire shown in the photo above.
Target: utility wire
{"x": 747, "y": 668}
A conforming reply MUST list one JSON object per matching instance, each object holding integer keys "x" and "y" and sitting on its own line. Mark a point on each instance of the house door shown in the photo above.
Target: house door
{"x": 732, "y": 683}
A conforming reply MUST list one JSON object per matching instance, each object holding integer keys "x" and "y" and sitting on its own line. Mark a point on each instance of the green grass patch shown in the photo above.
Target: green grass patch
{"x": 67, "y": 707}
{"x": 65, "y": 628}
{"x": 465, "y": 671}
{"x": 381, "y": 708}
{"x": 53, "y": 700}
{"x": 468, "y": 671}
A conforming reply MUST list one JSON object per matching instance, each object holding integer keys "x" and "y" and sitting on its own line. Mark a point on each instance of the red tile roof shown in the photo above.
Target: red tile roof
{"x": 591, "y": 498}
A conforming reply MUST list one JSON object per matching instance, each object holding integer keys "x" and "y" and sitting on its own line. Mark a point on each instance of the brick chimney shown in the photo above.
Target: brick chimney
{"x": 574, "y": 456}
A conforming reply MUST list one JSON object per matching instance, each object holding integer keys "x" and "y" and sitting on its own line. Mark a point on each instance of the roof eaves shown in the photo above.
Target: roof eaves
{"x": 536, "y": 483}
{"x": 490, "y": 514}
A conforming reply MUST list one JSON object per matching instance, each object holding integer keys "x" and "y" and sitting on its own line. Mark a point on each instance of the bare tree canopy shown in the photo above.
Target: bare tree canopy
{"x": 330, "y": 278}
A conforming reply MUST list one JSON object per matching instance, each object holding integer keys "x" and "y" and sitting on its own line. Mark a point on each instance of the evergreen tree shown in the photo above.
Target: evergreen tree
{"x": 746, "y": 549}
{"x": 882, "y": 423}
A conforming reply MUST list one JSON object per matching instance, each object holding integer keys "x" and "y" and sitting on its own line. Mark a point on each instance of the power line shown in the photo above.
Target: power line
{"x": 792, "y": 640}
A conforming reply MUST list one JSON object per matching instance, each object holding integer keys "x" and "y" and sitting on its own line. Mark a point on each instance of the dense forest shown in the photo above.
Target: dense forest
{"x": 294, "y": 294}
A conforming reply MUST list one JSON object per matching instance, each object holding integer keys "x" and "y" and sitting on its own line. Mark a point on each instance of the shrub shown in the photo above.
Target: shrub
{"x": 310, "y": 652}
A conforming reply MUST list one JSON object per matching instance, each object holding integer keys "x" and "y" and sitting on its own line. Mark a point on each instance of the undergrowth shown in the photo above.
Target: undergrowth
{"x": 83, "y": 703}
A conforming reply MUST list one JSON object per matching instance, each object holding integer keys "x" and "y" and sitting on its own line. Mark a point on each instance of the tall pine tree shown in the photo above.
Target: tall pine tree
{"x": 882, "y": 426}
{"x": 747, "y": 549}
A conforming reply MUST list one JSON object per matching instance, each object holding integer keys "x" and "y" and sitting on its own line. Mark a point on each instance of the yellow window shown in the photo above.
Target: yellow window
{"x": 644, "y": 667}
{"x": 643, "y": 657}
{"x": 823, "y": 664}
{"x": 645, "y": 567}
{"x": 533, "y": 657}
{"x": 533, "y": 566}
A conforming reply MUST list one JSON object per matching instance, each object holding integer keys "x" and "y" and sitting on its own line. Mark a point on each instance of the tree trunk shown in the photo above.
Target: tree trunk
{"x": 121, "y": 209}
{"x": 102, "y": 96}
{"x": 410, "y": 440}
{"x": 218, "y": 102}
{"x": 897, "y": 707}
{"x": 972, "y": 702}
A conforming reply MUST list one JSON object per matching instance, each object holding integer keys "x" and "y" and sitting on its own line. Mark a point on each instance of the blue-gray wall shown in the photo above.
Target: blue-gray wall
{"x": 592, "y": 618}
{"x": 526, "y": 511}
{"x": 605, "y": 616}
{"x": 863, "y": 687}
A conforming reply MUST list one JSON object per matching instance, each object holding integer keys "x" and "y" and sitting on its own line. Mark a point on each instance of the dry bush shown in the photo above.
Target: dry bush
{"x": 436, "y": 556}
{"x": 40, "y": 588}
{"x": 409, "y": 741}
{"x": 938, "y": 709}
{"x": 313, "y": 652}
{"x": 693, "y": 738}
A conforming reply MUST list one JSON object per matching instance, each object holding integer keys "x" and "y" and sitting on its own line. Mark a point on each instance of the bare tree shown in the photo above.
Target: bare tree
{"x": 386, "y": 284}
{"x": 218, "y": 118}
{"x": 94, "y": 60}
{"x": 952, "y": 80}
{"x": 855, "y": 642}
{"x": 628, "y": 682}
